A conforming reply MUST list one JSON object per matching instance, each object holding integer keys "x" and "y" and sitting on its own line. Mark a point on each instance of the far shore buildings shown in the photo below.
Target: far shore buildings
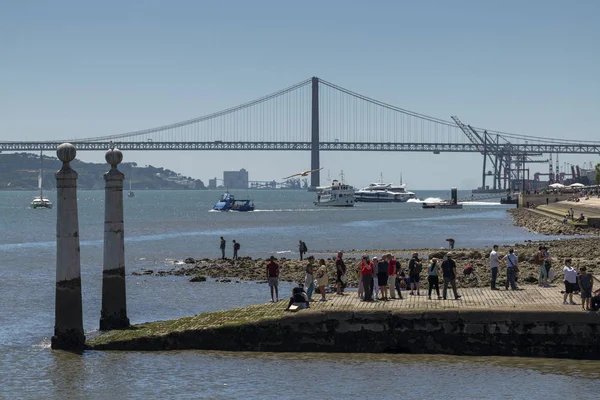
{"x": 235, "y": 179}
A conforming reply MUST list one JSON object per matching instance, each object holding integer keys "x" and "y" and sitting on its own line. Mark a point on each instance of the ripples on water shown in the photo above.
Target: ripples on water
{"x": 162, "y": 227}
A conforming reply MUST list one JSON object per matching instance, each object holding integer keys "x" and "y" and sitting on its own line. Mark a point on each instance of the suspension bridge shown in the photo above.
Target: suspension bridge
{"x": 316, "y": 115}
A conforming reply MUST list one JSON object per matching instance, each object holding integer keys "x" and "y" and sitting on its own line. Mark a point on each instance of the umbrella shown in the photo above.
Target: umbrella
{"x": 557, "y": 185}
{"x": 577, "y": 185}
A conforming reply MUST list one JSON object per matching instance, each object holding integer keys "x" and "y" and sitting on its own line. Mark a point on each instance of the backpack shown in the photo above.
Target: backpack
{"x": 418, "y": 267}
{"x": 304, "y": 248}
{"x": 237, "y": 246}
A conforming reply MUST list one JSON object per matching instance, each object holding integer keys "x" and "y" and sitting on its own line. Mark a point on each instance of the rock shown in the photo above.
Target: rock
{"x": 439, "y": 255}
{"x": 147, "y": 272}
{"x": 189, "y": 260}
{"x": 198, "y": 278}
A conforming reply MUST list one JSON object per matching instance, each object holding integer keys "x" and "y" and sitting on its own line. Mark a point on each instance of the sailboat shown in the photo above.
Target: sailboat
{"x": 40, "y": 201}
{"x": 130, "y": 194}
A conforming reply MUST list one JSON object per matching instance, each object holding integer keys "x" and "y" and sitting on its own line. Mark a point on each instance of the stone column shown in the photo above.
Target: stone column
{"x": 114, "y": 305}
{"x": 68, "y": 325}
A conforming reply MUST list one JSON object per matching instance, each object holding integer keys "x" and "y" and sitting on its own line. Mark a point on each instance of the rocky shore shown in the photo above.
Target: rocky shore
{"x": 583, "y": 251}
{"x": 547, "y": 225}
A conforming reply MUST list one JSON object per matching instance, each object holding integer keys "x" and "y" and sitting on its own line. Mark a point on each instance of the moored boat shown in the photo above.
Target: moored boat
{"x": 227, "y": 202}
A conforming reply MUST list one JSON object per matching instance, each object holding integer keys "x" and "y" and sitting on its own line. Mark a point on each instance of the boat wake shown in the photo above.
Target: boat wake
{"x": 479, "y": 203}
{"x": 427, "y": 200}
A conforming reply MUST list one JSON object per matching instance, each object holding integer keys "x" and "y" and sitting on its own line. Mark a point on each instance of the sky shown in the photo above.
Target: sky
{"x": 72, "y": 69}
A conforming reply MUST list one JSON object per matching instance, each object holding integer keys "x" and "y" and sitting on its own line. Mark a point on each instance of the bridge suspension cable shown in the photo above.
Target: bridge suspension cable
{"x": 199, "y": 119}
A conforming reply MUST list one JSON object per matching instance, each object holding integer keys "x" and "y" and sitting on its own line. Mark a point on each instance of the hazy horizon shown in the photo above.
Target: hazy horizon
{"x": 73, "y": 70}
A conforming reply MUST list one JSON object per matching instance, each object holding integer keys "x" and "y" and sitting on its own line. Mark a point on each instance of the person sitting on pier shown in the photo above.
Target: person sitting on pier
{"x": 581, "y": 218}
{"x": 298, "y": 300}
{"x": 595, "y": 302}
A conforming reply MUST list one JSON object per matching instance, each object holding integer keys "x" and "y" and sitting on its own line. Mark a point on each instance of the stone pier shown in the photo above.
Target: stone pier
{"x": 68, "y": 326}
{"x": 532, "y": 322}
{"x": 114, "y": 304}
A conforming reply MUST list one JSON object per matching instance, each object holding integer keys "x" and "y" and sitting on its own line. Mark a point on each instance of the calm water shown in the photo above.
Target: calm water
{"x": 163, "y": 226}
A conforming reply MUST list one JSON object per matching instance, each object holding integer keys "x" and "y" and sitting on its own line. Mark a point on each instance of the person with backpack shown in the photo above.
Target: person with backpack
{"x": 415, "y": 266}
{"x": 302, "y": 249}
{"x": 236, "y": 247}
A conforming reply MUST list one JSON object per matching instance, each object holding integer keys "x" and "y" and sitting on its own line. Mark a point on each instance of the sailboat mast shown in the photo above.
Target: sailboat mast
{"x": 40, "y": 178}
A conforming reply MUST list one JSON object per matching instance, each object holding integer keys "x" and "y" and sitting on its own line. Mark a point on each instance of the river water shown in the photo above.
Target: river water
{"x": 164, "y": 226}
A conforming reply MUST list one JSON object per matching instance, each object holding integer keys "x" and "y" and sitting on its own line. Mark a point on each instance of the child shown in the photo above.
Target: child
{"x": 586, "y": 283}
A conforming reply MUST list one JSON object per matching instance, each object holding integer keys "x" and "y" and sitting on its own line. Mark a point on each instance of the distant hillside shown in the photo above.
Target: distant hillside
{"x": 20, "y": 172}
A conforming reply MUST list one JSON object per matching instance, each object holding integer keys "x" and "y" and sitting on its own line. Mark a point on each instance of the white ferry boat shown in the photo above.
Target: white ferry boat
{"x": 379, "y": 192}
{"x": 338, "y": 194}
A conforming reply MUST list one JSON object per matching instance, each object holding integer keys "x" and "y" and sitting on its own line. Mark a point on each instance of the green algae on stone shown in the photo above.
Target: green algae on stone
{"x": 208, "y": 320}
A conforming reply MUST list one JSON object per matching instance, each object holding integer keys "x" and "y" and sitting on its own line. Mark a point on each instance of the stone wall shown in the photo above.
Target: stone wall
{"x": 538, "y": 199}
{"x": 472, "y": 332}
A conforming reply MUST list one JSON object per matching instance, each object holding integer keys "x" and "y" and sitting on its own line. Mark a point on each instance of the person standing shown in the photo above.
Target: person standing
{"x": 375, "y": 266}
{"x": 494, "y": 264}
{"x": 366, "y": 274}
{"x": 433, "y": 278}
{"x": 222, "y": 247}
{"x": 414, "y": 267}
{"x": 547, "y": 265}
{"x": 539, "y": 260}
{"x": 361, "y": 287}
{"x": 449, "y": 274}
{"x": 586, "y": 285}
{"x": 322, "y": 279}
{"x": 391, "y": 276}
{"x": 340, "y": 273}
{"x": 309, "y": 280}
{"x": 236, "y": 247}
{"x": 511, "y": 269}
{"x": 400, "y": 279}
{"x": 302, "y": 249}
{"x": 382, "y": 277}
{"x": 570, "y": 274}
{"x": 273, "y": 278}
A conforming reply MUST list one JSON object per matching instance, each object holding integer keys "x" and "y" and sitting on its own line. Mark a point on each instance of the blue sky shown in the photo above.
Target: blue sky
{"x": 72, "y": 69}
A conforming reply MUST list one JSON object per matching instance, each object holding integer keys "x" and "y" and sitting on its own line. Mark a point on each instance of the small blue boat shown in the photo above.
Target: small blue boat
{"x": 229, "y": 203}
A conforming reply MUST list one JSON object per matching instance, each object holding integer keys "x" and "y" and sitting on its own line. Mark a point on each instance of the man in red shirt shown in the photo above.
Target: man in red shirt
{"x": 273, "y": 278}
{"x": 392, "y": 271}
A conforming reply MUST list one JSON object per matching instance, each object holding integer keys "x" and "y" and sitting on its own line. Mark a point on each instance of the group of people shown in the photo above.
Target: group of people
{"x": 223, "y": 245}
{"x": 383, "y": 279}
{"x": 581, "y": 281}
{"x": 316, "y": 275}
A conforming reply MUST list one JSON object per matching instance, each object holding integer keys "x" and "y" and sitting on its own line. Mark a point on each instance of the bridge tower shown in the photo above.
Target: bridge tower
{"x": 315, "y": 176}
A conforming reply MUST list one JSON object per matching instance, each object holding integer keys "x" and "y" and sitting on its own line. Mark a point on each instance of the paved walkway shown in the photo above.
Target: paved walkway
{"x": 530, "y": 298}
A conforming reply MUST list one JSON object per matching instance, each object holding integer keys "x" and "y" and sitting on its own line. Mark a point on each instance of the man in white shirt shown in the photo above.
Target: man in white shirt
{"x": 494, "y": 264}
{"x": 511, "y": 269}
{"x": 570, "y": 281}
